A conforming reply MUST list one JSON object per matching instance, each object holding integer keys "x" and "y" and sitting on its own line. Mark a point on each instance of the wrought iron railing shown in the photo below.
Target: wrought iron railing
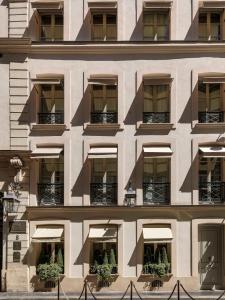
{"x": 106, "y": 117}
{"x": 211, "y": 117}
{"x": 156, "y": 117}
{"x": 103, "y": 193}
{"x": 51, "y": 118}
{"x": 212, "y": 192}
{"x": 51, "y": 193}
{"x": 156, "y": 193}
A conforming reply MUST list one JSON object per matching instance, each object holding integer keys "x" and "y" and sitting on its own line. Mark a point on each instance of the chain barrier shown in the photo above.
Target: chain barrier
{"x": 131, "y": 286}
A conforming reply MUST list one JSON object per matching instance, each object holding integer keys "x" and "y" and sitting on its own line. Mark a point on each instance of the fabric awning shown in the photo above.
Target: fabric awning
{"x": 110, "y": 152}
{"x": 102, "y": 4}
{"x": 219, "y": 4}
{"x": 157, "y": 233}
{"x": 212, "y": 151}
{"x": 213, "y": 79}
{"x": 157, "y": 4}
{"x": 47, "y": 235}
{"x": 157, "y": 151}
{"x": 103, "y": 80}
{"x": 151, "y": 79}
{"x": 48, "y": 79}
{"x": 47, "y": 152}
{"x": 47, "y": 4}
{"x": 103, "y": 233}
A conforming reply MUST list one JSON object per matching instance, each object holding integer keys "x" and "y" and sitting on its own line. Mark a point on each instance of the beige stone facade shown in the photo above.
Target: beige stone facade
{"x": 99, "y": 95}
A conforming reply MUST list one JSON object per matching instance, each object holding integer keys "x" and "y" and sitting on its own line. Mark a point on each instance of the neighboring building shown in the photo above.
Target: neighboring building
{"x": 100, "y": 97}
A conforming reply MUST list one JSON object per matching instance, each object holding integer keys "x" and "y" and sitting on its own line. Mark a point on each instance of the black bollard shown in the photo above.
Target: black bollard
{"x": 178, "y": 289}
{"x": 85, "y": 290}
{"x": 58, "y": 288}
{"x": 131, "y": 290}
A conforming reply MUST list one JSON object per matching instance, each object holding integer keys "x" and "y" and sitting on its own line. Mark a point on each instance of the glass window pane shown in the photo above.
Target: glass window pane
{"x": 148, "y": 98}
{"x": 111, "y": 32}
{"x": 98, "y": 19}
{"x": 148, "y": 19}
{"x": 97, "y": 32}
{"x": 214, "y": 97}
{"x": 149, "y": 32}
{"x": 110, "y": 19}
{"x": 58, "y": 19}
{"x": 201, "y": 96}
{"x": 203, "y": 34}
{"x": 46, "y": 19}
{"x": 215, "y": 26}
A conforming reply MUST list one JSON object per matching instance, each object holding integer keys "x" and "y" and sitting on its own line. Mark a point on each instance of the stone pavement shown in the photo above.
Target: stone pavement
{"x": 201, "y": 295}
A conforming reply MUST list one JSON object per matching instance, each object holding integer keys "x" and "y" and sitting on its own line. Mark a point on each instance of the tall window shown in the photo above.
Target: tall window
{"x": 210, "y": 26}
{"x": 51, "y": 26}
{"x": 51, "y": 110}
{"x": 156, "y": 104}
{"x": 156, "y": 25}
{"x": 211, "y": 185}
{"x": 51, "y": 181}
{"x": 210, "y": 103}
{"x": 104, "y": 104}
{"x": 104, "y": 181}
{"x": 156, "y": 184}
{"x": 104, "y": 26}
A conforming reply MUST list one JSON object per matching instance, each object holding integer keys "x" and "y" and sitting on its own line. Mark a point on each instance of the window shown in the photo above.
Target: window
{"x": 104, "y": 181}
{"x": 157, "y": 258}
{"x": 156, "y": 25}
{"x": 210, "y": 26}
{"x": 51, "y": 109}
{"x": 104, "y": 26}
{"x": 156, "y": 183}
{"x": 51, "y": 27}
{"x": 104, "y": 104}
{"x": 210, "y": 102}
{"x": 211, "y": 185}
{"x": 51, "y": 181}
{"x": 156, "y": 104}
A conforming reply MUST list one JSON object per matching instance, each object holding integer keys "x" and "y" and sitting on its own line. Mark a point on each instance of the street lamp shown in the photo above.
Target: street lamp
{"x": 130, "y": 196}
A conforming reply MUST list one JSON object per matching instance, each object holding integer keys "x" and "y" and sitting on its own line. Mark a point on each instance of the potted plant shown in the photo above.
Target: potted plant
{"x": 112, "y": 261}
{"x": 49, "y": 273}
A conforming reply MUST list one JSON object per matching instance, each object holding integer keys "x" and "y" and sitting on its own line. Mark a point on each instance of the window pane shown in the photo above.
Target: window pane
{"x": 148, "y": 19}
{"x": 162, "y": 98}
{"x": 148, "y": 98}
{"x": 201, "y": 96}
{"x": 111, "y": 19}
{"x": 215, "y": 26}
{"x": 111, "y": 98}
{"x": 46, "y": 19}
{"x": 58, "y": 19}
{"x": 111, "y": 32}
{"x": 98, "y": 19}
{"x": 214, "y": 97}
{"x": 149, "y": 32}
{"x": 203, "y": 27}
{"x": 99, "y": 103}
{"x": 162, "y": 33}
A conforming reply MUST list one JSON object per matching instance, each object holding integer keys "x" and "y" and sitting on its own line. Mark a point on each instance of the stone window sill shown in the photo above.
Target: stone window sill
{"x": 155, "y": 126}
{"x": 210, "y": 125}
{"x": 111, "y": 126}
{"x": 48, "y": 127}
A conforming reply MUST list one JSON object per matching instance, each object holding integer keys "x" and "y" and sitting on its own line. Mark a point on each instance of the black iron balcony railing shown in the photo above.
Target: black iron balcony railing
{"x": 51, "y": 118}
{"x": 51, "y": 193}
{"x": 156, "y": 193}
{"x": 211, "y": 117}
{"x": 212, "y": 192}
{"x": 106, "y": 117}
{"x": 156, "y": 117}
{"x": 103, "y": 194}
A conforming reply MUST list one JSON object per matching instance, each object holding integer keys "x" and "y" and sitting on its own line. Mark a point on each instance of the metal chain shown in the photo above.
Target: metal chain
{"x": 137, "y": 292}
{"x": 91, "y": 291}
{"x": 186, "y": 292}
{"x": 172, "y": 292}
{"x": 124, "y": 294}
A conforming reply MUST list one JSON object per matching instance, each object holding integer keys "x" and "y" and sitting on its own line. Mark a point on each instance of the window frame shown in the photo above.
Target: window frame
{"x": 104, "y": 24}
{"x": 208, "y": 24}
{"x": 53, "y": 15}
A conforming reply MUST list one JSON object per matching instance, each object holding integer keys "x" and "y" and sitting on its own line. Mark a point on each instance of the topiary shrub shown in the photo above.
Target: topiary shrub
{"x": 59, "y": 259}
{"x": 49, "y": 272}
{"x": 165, "y": 259}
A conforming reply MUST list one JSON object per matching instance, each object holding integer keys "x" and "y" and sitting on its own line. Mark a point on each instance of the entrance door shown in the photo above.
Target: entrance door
{"x": 210, "y": 256}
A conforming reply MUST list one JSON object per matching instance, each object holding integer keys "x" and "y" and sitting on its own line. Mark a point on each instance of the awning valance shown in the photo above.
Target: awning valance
{"x": 102, "y": 4}
{"x": 108, "y": 152}
{"x": 157, "y": 233}
{"x": 48, "y": 235}
{"x": 213, "y": 79}
{"x": 157, "y": 79}
{"x": 212, "y": 151}
{"x": 48, "y": 79}
{"x": 103, "y": 80}
{"x": 157, "y": 151}
{"x": 103, "y": 233}
{"x": 47, "y": 4}
{"x": 218, "y": 4}
{"x": 157, "y": 4}
{"x": 47, "y": 152}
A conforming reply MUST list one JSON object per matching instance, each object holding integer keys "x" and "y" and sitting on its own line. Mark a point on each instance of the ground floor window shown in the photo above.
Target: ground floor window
{"x": 103, "y": 254}
{"x": 157, "y": 258}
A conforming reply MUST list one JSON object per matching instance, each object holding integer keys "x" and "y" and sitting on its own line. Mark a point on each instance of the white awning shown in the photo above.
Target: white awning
{"x": 157, "y": 79}
{"x": 157, "y": 151}
{"x": 157, "y": 4}
{"x": 46, "y": 152}
{"x": 47, "y": 4}
{"x": 103, "y": 80}
{"x": 102, "y": 232}
{"x": 213, "y": 79}
{"x": 46, "y": 81}
{"x": 102, "y": 4}
{"x": 47, "y": 235}
{"x": 212, "y": 151}
{"x": 219, "y": 4}
{"x": 157, "y": 233}
{"x": 102, "y": 152}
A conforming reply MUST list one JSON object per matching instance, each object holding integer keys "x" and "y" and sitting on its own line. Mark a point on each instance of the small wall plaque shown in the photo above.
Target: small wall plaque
{"x": 16, "y": 245}
{"x": 16, "y": 256}
{"x": 17, "y": 227}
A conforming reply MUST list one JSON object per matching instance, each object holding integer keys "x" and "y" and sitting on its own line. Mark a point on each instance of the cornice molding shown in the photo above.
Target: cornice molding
{"x": 25, "y": 46}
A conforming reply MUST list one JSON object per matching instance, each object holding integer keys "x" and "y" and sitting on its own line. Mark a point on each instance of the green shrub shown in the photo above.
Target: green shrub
{"x": 112, "y": 258}
{"x": 104, "y": 273}
{"x": 49, "y": 272}
{"x": 105, "y": 259}
{"x": 59, "y": 258}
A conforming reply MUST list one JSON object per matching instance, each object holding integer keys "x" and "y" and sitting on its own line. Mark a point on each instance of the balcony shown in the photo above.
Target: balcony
{"x": 104, "y": 118}
{"x": 156, "y": 193}
{"x": 156, "y": 117}
{"x": 213, "y": 192}
{"x": 104, "y": 194}
{"x": 50, "y": 194}
{"x": 51, "y": 118}
{"x": 211, "y": 117}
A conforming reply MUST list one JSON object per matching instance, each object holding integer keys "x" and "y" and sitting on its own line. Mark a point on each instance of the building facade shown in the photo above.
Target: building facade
{"x": 100, "y": 98}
